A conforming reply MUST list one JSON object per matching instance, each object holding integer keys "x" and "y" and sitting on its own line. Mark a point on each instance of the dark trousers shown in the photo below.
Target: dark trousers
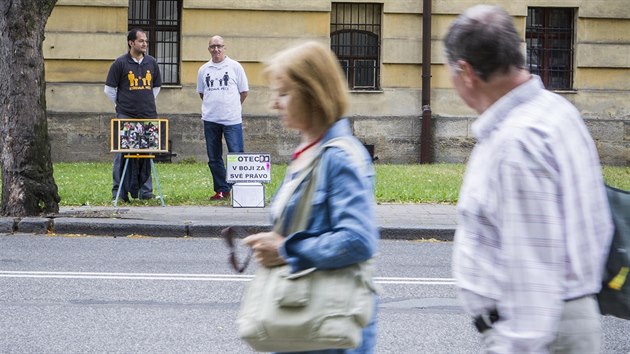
{"x": 214, "y": 147}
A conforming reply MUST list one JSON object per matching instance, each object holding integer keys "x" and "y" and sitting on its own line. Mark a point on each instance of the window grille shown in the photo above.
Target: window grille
{"x": 355, "y": 37}
{"x": 161, "y": 20}
{"x": 550, "y": 45}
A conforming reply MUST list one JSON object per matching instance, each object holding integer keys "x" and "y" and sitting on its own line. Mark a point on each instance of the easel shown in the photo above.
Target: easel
{"x": 153, "y": 170}
{"x": 139, "y": 138}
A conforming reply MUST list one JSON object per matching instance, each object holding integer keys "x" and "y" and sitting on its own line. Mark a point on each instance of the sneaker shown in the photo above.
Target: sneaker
{"x": 148, "y": 196}
{"x": 220, "y": 196}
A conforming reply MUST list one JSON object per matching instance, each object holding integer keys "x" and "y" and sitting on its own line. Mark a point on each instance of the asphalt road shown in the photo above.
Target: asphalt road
{"x": 165, "y": 295}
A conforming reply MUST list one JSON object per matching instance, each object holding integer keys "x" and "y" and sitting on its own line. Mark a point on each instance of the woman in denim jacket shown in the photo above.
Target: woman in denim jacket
{"x": 310, "y": 95}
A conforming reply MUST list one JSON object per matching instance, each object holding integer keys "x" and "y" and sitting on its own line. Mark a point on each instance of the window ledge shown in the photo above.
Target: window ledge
{"x": 171, "y": 86}
{"x": 564, "y": 91}
{"x": 366, "y": 91}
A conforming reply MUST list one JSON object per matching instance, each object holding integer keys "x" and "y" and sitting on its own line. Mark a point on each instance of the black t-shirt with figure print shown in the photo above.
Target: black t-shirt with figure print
{"x": 135, "y": 83}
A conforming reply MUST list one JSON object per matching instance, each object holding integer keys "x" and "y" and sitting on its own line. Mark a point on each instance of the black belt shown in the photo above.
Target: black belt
{"x": 578, "y": 298}
{"x": 484, "y": 322}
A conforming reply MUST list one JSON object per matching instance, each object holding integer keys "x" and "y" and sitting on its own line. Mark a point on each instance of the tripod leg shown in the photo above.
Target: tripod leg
{"x": 122, "y": 179}
{"x": 157, "y": 181}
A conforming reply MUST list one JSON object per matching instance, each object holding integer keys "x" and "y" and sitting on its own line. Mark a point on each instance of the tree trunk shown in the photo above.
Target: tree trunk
{"x": 28, "y": 185}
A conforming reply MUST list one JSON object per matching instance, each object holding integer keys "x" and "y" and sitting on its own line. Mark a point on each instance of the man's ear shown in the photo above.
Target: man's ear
{"x": 469, "y": 76}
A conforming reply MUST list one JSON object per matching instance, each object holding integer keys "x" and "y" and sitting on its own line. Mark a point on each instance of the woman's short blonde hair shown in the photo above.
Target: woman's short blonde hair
{"x": 316, "y": 73}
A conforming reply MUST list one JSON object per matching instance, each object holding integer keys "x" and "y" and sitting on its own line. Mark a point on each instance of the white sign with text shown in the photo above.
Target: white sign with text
{"x": 248, "y": 167}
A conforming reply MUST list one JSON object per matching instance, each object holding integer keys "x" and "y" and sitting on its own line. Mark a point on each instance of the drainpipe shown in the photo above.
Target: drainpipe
{"x": 426, "y": 135}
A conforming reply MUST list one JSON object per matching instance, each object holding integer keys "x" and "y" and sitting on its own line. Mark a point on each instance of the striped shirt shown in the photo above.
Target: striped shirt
{"x": 534, "y": 222}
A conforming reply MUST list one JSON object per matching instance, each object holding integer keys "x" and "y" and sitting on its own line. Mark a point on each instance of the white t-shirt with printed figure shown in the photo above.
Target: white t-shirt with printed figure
{"x": 221, "y": 85}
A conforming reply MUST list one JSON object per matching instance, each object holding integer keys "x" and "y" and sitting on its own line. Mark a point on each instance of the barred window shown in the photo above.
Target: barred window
{"x": 355, "y": 37}
{"x": 550, "y": 45}
{"x": 161, "y": 20}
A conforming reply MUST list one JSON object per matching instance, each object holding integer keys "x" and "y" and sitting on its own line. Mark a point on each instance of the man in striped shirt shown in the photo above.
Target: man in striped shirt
{"x": 534, "y": 223}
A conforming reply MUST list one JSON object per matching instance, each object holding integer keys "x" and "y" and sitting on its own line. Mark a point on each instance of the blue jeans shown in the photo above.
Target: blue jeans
{"x": 233, "y": 139}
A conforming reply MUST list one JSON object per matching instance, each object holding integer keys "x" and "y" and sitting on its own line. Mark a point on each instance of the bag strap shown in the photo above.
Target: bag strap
{"x": 310, "y": 174}
{"x": 351, "y": 148}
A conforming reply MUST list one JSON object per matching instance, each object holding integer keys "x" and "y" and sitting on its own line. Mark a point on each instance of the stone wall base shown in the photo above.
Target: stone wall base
{"x": 86, "y": 137}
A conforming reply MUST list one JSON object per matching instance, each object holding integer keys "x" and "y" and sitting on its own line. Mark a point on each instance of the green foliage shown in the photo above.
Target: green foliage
{"x": 190, "y": 183}
{"x": 436, "y": 183}
{"x": 188, "y": 161}
{"x": 617, "y": 176}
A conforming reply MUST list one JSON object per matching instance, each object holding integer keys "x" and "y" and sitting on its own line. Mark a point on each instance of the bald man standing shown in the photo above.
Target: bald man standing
{"x": 222, "y": 86}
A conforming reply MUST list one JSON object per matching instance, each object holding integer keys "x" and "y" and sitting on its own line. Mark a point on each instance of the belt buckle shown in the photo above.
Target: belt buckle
{"x": 484, "y": 321}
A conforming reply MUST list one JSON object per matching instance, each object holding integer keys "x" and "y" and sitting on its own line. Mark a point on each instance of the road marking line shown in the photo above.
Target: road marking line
{"x": 198, "y": 277}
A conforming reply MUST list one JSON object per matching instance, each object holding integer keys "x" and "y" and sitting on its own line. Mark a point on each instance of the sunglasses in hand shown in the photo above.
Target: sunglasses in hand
{"x": 230, "y": 234}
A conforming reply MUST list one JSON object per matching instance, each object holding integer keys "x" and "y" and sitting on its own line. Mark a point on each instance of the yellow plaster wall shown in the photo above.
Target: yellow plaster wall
{"x": 603, "y": 43}
{"x": 401, "y": 75}
{"x": 87, "y": 19}
{"x": 402, "y": 26}
{"x": 85, "y": 46}
{"x": 76, "y": 70}
{"x": 602, "y": 55}
{"x": 441, "y": 77}
{"x": 401, "y": 38}
{"x": 266, "y": 5}
{"x": 513, "y": 7}
{"x": 258, "y": 23}
{"x": 400, "y": 6}
{"x": 589, "y": 8}
{"x": 96, "y": 3}
{"x": 83, "y": 38}
{"x": 603, "y": 30}
{"x": 266, "y": 32}
{"x": 256, "y": 29}
{"x": 77, "y": 97}
{"x": 189, "y": 71}
{"x": 603, "y": 79}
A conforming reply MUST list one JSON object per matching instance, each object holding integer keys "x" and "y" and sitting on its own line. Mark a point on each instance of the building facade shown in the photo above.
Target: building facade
{"x": 581, "y": 49}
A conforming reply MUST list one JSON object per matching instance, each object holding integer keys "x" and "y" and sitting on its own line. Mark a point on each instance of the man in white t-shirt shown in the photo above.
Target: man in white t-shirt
{"x": 222, "y": 86}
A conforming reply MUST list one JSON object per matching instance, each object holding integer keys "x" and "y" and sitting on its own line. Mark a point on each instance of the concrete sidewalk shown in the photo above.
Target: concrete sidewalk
{"x": 397, "y": 221}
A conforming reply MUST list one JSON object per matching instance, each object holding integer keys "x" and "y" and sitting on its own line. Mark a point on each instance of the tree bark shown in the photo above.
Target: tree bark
{"x": 28, "y": 185}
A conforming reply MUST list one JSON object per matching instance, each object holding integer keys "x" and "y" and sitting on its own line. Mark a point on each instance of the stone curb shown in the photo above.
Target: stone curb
{"x": 128, "y": 227}
{"x": 34, "y": 225}
{"x": 117, "y": 227}
{"x": 440, "y": 233}
{"x": 7, "y": 225}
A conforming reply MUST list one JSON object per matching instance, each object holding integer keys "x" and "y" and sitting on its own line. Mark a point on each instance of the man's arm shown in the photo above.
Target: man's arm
{"x": 111, "y": 93}
{"x": 200, "y": 82}
{"x": 241, "y": 82}
{"x": 532, "y": 255}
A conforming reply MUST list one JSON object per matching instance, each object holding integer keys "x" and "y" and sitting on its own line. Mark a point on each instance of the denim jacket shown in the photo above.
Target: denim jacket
{"x": 342, "y": 228}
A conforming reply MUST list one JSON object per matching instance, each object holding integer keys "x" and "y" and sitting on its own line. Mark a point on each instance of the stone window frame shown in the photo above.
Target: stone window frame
{"x": 550, "y": 41}
{"x": 161, "y": 20}
{"x": 355, "y": 37}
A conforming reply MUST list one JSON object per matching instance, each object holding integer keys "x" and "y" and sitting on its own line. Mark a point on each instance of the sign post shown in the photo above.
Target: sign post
{"x": 248, "y": 172}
